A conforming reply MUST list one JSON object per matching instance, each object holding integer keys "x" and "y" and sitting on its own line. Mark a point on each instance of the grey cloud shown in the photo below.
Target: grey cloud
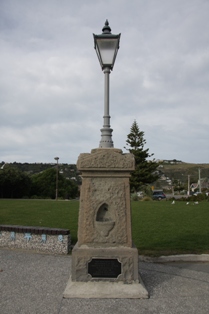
{"x": 51, "y": 84}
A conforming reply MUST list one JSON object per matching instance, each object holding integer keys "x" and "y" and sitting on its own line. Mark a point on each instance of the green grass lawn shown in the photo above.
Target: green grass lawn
{"x": 162, "y": 228}
{"x": 46, "y": 213}
{"x": 157, "y": 227}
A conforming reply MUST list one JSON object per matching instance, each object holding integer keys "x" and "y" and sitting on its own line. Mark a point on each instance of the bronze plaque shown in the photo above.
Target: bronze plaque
{"x": 104, "y": 268}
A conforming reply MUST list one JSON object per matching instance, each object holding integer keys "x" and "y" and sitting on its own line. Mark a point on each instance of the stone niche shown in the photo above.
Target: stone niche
{"x": 104, "y": 252}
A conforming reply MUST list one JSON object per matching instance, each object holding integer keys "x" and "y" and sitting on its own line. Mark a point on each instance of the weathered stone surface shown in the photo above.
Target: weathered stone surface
{"x": 128, "y": 257}
{"x": 105, "y": 290}
{"x": 104, "y": 216}
{"x": 106, "y": 158}
{"x": 104, "y": 228}
{"x": 114, "y": 192}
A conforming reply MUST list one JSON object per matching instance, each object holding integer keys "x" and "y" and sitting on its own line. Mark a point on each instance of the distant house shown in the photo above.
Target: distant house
{"x": 204, "y": 184}
{"x": 172, "y": 162}
{"x": 194, "y": 186}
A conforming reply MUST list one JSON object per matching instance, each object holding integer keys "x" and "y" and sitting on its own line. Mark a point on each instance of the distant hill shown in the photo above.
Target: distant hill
{"x": 169, "y": 171}
{"x": 181, "y": 171}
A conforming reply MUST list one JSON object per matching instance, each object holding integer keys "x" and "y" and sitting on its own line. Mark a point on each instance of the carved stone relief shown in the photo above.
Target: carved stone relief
{"x": 100, "y": 195}
{"x": 128, "y": 268}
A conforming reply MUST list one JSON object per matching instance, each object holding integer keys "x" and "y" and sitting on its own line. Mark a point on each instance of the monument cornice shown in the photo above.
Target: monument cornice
{"x": 106, "y": 159}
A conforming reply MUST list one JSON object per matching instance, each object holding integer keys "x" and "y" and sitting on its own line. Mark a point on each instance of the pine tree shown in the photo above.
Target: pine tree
{"x": 145, "y": 171}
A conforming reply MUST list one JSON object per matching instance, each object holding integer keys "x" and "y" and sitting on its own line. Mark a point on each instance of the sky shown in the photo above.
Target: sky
{"x": 52, "y": 85}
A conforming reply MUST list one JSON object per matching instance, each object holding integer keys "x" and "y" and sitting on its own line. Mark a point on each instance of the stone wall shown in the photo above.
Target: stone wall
{"x": 39, "y": 239}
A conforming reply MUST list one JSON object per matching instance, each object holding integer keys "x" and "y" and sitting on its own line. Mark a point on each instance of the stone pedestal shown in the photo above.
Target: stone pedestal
{"x": 104, "y": 253}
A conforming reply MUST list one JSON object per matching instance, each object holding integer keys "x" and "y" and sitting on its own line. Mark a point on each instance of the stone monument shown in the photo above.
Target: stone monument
{"x": 104, "y": 260}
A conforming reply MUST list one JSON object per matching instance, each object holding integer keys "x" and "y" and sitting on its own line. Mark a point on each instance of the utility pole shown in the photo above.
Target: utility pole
{"x": 200, "y": 190}
{"x": 188, "y": 192}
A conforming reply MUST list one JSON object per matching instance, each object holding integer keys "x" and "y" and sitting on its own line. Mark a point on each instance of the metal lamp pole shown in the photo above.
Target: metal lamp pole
{"x": 106, "y": 46}
{"x": 56, "y": 194}
{"x": 106, "y": 131}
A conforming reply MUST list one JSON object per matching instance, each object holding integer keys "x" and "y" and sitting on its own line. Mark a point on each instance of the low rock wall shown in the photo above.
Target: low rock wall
{"x": 40, "y": 239}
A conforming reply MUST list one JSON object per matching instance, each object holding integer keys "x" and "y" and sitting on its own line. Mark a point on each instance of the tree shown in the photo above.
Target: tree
{"x": 14, "y": 183}
{"x": 44, "y": 185}
{"x": 178, "y": 186}
{"x": 145, "y": 170}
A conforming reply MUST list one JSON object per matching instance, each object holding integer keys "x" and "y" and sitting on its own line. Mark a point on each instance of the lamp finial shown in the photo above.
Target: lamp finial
{"x": 106, "y": 29}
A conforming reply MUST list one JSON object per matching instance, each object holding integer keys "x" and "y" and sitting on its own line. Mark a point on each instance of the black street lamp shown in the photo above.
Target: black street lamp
{"x": 106, "y": 46}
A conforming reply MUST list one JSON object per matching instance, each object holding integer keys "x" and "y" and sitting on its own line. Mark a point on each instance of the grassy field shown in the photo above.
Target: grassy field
{"x": 158, "y": 227}
{"x": 162, "y": 228}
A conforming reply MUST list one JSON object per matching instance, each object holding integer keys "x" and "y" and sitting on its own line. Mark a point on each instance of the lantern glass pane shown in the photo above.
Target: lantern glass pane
{"x": 107, "y": 49}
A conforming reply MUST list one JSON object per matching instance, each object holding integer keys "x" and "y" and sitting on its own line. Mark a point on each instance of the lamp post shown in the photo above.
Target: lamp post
{"x": 56, "y": 194}
{"x": 106, "y": 46}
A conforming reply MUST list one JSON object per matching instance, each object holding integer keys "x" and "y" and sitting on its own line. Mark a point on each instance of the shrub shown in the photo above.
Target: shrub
{"x": 198, "y": 197}
{"x": 146, "y": 199}
{"x": 148, "y": 190}
{"x": 134, "y": 197}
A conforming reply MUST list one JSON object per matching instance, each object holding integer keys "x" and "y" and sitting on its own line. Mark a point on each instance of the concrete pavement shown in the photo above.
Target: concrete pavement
{"x": 34, "y": 283}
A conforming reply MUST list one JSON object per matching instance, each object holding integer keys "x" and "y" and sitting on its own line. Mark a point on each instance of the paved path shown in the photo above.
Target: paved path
{"x": 201, "y": 267}
{"x": 34, "y": 283}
